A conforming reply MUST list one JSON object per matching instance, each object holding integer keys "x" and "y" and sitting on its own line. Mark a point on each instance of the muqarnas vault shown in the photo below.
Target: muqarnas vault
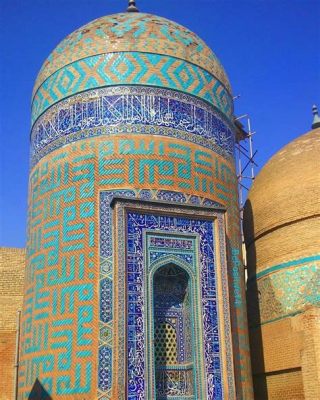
{"x": 134, "y": 283}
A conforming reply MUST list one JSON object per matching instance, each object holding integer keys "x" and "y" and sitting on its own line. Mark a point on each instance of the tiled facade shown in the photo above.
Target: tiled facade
{"x": 214, "y": 377}
{"x": 104, "y": 112}
{"x": 118, "y": 113}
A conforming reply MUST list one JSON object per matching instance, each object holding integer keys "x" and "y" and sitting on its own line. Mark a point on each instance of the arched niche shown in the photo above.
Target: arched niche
{"x": 172, "y": 333}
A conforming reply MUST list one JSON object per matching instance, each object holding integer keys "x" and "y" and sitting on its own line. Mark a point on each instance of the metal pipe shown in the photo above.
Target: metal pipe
{"x": 241, "y": 116}
{"x": 17, "y": 358}
{"x": 250, "y": 148}
{"x": 239, "y": 181}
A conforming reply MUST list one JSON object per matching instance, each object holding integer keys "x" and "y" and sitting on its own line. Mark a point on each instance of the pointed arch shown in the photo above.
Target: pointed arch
{"x": 172, "y": 330}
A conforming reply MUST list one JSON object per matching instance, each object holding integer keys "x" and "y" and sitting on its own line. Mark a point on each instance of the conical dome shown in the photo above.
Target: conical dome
{"x": 132, "y": 48}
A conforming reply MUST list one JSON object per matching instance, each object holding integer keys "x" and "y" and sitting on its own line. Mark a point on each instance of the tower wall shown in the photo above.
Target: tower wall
{"x": 147, "y": 116}
{"x": 281, "y": 224}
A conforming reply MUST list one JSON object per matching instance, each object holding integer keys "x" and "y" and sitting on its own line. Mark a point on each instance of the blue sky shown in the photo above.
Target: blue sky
{"x": 270, "y": 50}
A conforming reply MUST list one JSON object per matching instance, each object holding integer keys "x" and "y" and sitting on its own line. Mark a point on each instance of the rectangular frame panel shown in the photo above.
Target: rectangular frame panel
{"x": 217, "y": 387}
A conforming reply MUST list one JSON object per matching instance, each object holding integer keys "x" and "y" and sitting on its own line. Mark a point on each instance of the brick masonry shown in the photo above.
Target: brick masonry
{"x": 12, "y": 265}
{"x": 282, "y": 230}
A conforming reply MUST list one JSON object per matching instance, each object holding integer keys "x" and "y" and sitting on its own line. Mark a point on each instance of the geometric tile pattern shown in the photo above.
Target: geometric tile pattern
{"x": 105, "y": 359}
{"x": 143, "y": 162}
{"x": 63, "y": 246}
{"x": 132, "y": 32}
{"x": 60, "y": 303}
{"x": 172, "y": 316}
{"x": 57, "y": 328}
{"x": 285, "y": 291}
{"x": 131, "y": 68}
{"x": 159, "y": 250}
{"x": 153, "y": 111}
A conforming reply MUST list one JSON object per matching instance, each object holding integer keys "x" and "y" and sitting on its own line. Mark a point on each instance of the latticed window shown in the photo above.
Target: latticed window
{"x": 172, "y": 333}
{"x": 165, "y": 339}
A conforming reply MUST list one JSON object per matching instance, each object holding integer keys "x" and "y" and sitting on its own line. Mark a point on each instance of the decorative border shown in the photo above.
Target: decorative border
{"x": 107, "y": 255}
{"x": 187, "y": 259}
{"x": 131, "y": 68}
{"x": 283, "y": 291}
{"x": 225, "y": 333}
{"x": 131, "y": 110}
{"x": 288, "y": 264}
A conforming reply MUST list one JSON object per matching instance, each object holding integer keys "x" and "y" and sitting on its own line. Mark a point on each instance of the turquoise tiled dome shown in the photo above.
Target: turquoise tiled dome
{"x": 132, "y": 49}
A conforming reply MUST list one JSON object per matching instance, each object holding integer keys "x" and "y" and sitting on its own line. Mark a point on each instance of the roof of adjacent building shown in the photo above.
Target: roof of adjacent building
{"x": 12, "y": 273}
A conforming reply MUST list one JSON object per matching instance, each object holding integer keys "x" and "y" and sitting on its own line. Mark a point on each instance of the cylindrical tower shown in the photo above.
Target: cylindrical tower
{"x": 132, "y": 300}
{"x": 282, "y": 231}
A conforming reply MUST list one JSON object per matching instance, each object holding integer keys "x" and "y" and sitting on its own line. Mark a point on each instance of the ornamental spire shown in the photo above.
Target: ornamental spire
{"x": 132, "y": 6}
{"x": 316, "y": 118}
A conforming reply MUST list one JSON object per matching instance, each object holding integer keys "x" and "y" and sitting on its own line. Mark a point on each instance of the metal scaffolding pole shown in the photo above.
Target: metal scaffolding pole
{"x": 246, "y": 164}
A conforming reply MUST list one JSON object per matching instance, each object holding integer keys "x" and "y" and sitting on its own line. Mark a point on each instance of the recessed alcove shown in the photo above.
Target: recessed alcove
{"x": 172, "y": 333}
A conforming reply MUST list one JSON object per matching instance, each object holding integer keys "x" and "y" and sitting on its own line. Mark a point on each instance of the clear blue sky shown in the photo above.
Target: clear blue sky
{"x": 270, "y": 50}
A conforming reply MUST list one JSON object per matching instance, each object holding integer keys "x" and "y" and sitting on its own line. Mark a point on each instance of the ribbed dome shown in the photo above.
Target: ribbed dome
{"x": 287, "y": 189}
{"x": 132, "y": 32}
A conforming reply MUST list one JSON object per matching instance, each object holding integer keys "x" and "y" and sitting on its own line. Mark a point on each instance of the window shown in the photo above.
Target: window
{"x": 172, "y": 332}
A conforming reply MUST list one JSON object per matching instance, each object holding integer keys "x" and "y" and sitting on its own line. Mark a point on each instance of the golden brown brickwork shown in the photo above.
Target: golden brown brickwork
{"x": 287, "y": 368}
{"x": 279, "y": 354}
{"x": 277, "y": 362}
{"x": 12, "y": 266}
{"x": 282, "y": 230}
{"x": 309, "y": 326}
{"x": 287, "y": 385}
{"x": 287, "y": 189}
{"x": 284, "y": 245}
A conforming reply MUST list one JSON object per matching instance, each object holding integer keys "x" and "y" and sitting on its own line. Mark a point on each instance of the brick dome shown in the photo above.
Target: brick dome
{"x": 282, "y": 230}
{"x": 287, "y": 189}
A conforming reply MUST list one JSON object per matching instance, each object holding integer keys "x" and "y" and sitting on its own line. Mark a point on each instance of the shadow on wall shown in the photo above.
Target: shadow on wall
{"x": 38, "y": 392}
{"x": 253, "y": 308}
{"x": 264, "y": 305}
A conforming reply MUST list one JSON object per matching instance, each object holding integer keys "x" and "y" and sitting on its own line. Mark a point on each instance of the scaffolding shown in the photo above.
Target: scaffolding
{"x": 245, "y": 161}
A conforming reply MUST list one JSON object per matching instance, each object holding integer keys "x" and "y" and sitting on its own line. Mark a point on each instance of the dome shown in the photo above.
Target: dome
{"x": 281, "y": 214}
{"x": 132, "y": 48}
{"x": 287, "y": 189}
{"x": 282, "y": 229}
